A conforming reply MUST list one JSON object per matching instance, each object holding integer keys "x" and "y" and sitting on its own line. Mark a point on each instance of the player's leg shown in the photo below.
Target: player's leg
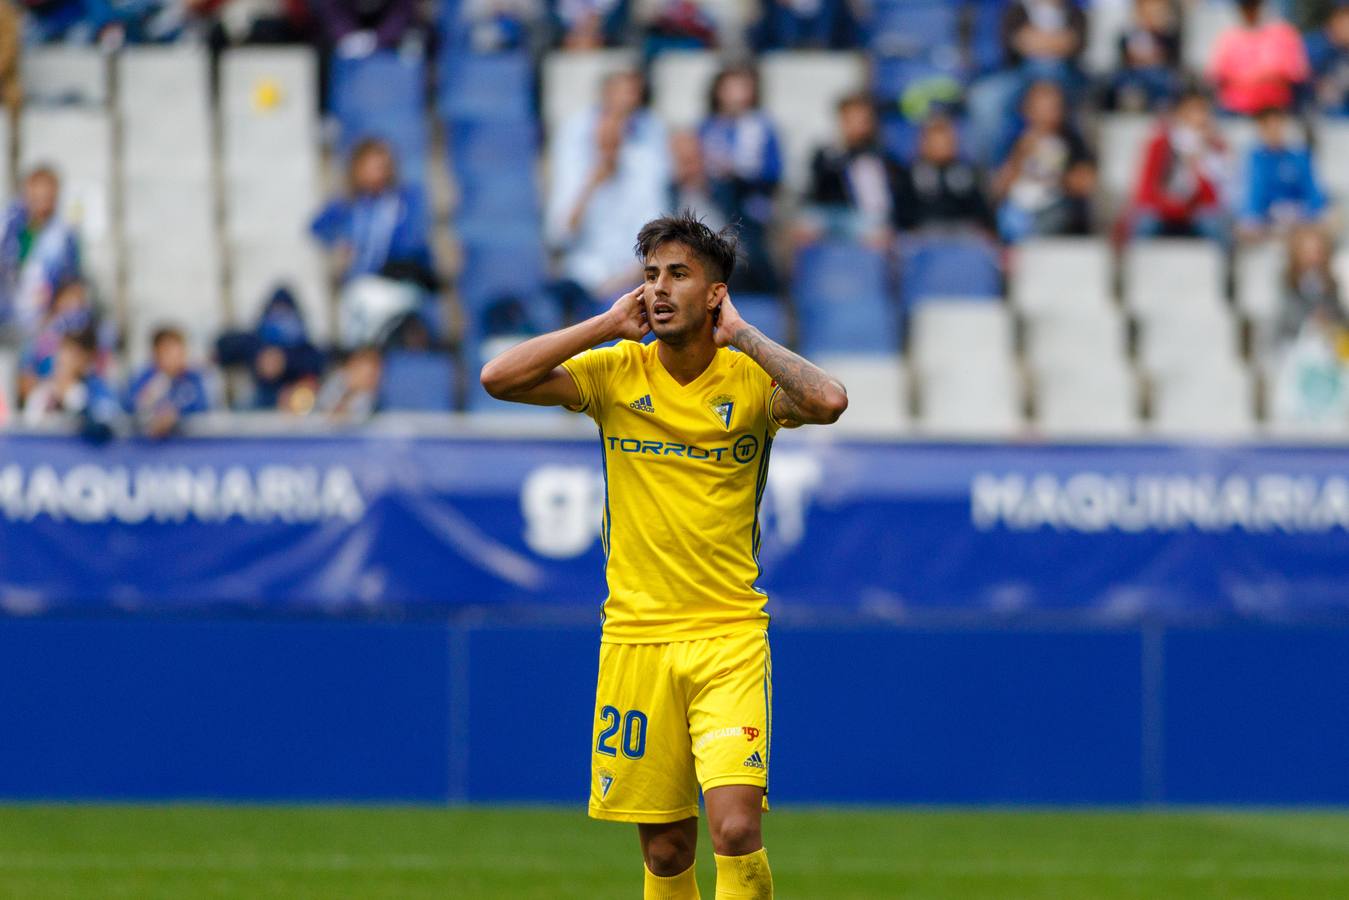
{"x": 669, "y": 852}
{"x": 730, "y": 719}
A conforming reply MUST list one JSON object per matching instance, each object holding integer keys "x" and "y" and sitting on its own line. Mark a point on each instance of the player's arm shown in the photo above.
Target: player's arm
{"x": 808, "y": 395}
{"x": 531, "y": 371}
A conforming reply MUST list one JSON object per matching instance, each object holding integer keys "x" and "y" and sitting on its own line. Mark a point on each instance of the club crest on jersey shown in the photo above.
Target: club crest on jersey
{"x": 606, "y": 782}
{"x": 723, "y": 407}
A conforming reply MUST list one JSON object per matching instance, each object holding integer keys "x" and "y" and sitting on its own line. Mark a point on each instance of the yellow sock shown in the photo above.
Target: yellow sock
{"x": 744, "y": 877}
{"x": 683, "y": 886}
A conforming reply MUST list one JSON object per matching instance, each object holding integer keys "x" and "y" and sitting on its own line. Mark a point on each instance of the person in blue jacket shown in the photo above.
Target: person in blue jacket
{"x": 167, "y": 390}
{"x": 1282, "y": 189}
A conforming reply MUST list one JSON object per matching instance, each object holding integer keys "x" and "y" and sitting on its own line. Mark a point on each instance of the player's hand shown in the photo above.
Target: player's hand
{"x": 729, "y": 322}
{"x": 627, "y": 317}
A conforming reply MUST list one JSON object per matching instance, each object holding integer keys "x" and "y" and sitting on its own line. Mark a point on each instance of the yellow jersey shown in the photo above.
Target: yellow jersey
{"x": 684, "y": 471}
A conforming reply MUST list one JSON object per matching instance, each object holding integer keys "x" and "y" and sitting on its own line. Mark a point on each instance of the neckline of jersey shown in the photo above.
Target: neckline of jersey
{"x": 702, "y": 376}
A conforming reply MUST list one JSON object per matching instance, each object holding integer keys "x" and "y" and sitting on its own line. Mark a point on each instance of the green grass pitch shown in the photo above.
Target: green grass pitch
{"x": 817, "y": 854}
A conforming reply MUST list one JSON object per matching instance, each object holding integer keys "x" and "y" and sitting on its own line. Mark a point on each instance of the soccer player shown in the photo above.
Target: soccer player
{"x": 686, "y": 425}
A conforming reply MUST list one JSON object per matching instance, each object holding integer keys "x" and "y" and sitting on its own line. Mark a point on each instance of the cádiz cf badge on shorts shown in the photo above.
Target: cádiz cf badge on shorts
{"x": 722, "y": 406}
{"x": 606, "y": 782}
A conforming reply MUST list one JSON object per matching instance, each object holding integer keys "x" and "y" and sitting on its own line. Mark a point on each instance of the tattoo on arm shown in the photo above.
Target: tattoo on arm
{"x": 808, "y": 394}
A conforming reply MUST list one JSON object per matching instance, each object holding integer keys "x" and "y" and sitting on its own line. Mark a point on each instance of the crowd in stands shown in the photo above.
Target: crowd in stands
{"x": 987, "y": 137}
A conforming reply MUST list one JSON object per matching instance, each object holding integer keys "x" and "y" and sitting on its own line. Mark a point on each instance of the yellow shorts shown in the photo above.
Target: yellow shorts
{"x": 672, "y": 717}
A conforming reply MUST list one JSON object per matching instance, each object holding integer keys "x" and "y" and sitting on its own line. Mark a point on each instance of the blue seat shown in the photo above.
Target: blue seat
{"x": 915, "y": 28}
{"x": 494, "y": 269}
{"x": 497, "y": 87}
{"x": 948, "y": 266}
{"x": 765, "y": 312}
{"x": 417, "y": 382}
{"x": 477, "y": 146}
{"x": 917, "y": 84}
{"x": 383, "y": 95}
{"x": 841, "y": 300}
{"x": 985, "y": 34}
{"x": 493, "y": 163}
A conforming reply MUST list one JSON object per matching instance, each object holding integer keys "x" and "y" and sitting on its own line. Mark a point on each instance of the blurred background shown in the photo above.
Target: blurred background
{"x": 1080, "y": 538}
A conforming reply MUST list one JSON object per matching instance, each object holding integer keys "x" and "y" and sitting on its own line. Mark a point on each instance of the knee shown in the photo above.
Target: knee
{"x": 668, "y": 854}
{"x": 736, "y": 834}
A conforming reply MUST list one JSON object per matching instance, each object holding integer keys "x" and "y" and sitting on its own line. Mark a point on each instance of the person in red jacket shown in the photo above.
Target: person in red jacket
{"x": 1180, "y": 191}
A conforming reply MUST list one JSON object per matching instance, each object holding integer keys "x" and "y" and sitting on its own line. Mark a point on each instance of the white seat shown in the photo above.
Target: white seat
{"x": 680, "y": 81}
{"x": 1258, "y": 278}
{"x": 9, "y": 387}
{"x": 971, "y": 403}
{"x": 1122, "y": 139}
{"x": 189, "y": 299}
{"x": 1331, "y": 152}
{"x": 1188, "y": 344}
{"x": 175, "y": 210}
{"x": 1050, "y": 275}
{"x": 801, "y": 90}
{"x": 64, "y": 74}
{"x": 1104, "y": 25}
{"x": 1079, "y": 339}
{"x": 155, "y": 83}
{"x": 961, "y": 334}
{"x": 877, "y": 393}
{"x": 1100, "y": 401}
{"x": 1166, "y": 276}
{"x": 271, "y": 84}
{"x": 257, "y": 268}
{"x": 571, "y": 81}
{"x": 265, "y": 206}
{"x": 1202, "y": 24}
{"x": 1218, "y": 403}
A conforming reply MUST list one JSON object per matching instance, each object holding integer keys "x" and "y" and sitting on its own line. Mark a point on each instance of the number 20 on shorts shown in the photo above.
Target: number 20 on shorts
{"x": 633, "y": 740}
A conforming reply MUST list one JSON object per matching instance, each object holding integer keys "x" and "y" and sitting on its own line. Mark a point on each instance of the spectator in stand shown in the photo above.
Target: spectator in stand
{"x": 1258, "y": 63}
{"x": 591, "y": 220}
{"x": 38, "y": 252}
{"x": 356, "y": 28}
{"x": 855, "y": 185}
{"x": 1282, "y": 189}
{"x": 284, "y": 365}
{"x": 70, "y": 311}
{"x": 623, "y": 96}
{"x": 805, "y": 25}
{"x": 1042, "y": 40}
{"x": 941, "y": 190}
{"x": 74, "y": 391}
{"x": 1180, "y": 190}
{"x": 675, "y": 25}
{"x": 351, "y": 394}
{"x": 743, "y": 159}
{"x": 1148, "y": 73}
{"x": 166, "y": 391}
{"x": 590, "y": 24}
{"x": 1045, "y": 185}
{"x": 1310, "y": 290}
{"x": 690, "y": 187}
{"x": 1328, "y": 55}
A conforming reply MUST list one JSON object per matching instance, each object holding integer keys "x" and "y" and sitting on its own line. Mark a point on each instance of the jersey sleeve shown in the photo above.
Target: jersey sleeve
{"x": 766, "y": 388}
{"x": 591, "y": 371}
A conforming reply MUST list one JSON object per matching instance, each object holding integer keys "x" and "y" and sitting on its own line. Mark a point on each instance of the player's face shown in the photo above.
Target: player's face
{"x": 679, "y": 297}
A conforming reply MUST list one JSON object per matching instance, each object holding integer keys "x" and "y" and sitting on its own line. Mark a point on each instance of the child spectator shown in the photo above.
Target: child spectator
{"x": 1328, "y": 55}
{"x": 37, "y": 252}
{"x": 278, "y": 354}
{"x": 380, "y": 227}
{"x": 351, "y": 394}
{"x": 1180, "y": 186}
{"x": 1257, "y": 64}
{"x": 1149, "y": 58}
{"x": 70, "y": 311}
{"x": 166, "y": 391}
{"x": 1310, "y": 290}
{"x": 73, "y": 391}
{"x": 941, "y": 190}
{"x": 1281, "y": 186}
{"x": 743, "y": 160}
{"x": 855, "y": 185}
{"x": 1046, "y": 183}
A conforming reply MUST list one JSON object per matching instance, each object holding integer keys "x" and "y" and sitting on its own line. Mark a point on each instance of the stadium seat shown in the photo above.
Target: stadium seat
{"x": 914, "y": 28}
{"x": 1101, "y": 401}
{"x": 267, "y": 204}
{"x": 258, "y": 266}
{"x": 64, "y": 74}
{"x": 1332, "y": 149}
{"x": 1049, "y": 275}
{"x": 878, "y": 402}
{"x": 1201, "y": 339}
{"x": 268, "y": 110}
{"x": 800, "y": 92}
{"x": 1219, "y": 403}
{"x": 1259, "y": 289}
{"x": 1170, "y": 276}
{"x": 948, "y": 266}
{"x": 841, "y": 300}
{"x": 9, "y": 373}
{"x": 680, "y": 82}
{"x": 970, "y": 403}
{"x": 417, "y": 382}
{"x": 1202, "y": 23}
{"x": 494, "y": 269}
{"x": 960, "y": 334}
{"x": 384, "y": 96}
{"x": 481, "y": 147}
{"x": 485, "y": 88}
{"x": 156, "y": 85}
{"x": 1076, "y": 340}
{"x": 1122, "y": 138}
{"x": 764, "y": 312}
{"x": 985, "y": 35}
{"x": 571, "y": 81}
{"x": 1105, "y": 22}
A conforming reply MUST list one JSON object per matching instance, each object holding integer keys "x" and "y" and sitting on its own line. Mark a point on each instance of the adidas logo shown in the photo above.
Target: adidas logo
{"x": 643, "y": 404}
{"x": 755, "y": 761}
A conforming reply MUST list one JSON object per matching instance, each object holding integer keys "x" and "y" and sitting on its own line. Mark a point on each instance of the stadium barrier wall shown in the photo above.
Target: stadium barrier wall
{"x": 384, "y": 618}
{"x": 131, "y": 708}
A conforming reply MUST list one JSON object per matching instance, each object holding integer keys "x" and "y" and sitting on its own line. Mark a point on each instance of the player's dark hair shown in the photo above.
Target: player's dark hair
{"x": 716, "y": 250}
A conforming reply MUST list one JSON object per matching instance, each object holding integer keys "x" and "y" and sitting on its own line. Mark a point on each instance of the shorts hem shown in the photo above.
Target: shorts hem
{"x": 642, "y": 817}
{"x": 723, "y": 780}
